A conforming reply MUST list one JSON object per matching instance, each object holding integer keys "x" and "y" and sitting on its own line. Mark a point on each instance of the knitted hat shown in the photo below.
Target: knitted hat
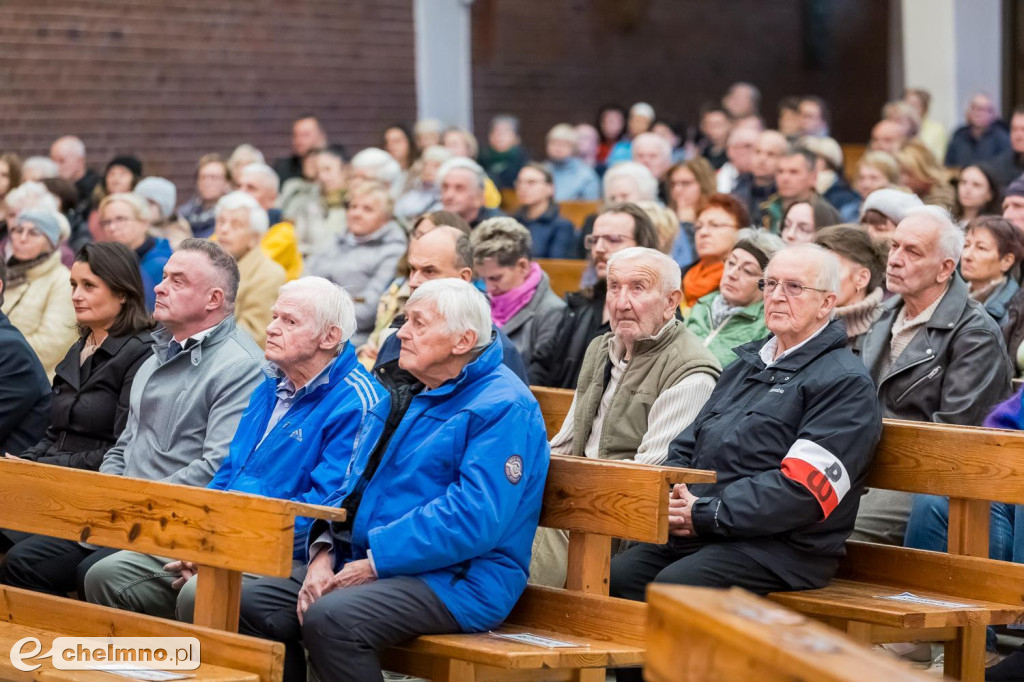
{"x": 161, "y": 192}
{"x": 44, "y": 221}
{"x": 749, "y": 247}
{"x": 1016, "y": 188}
{"x": 132, "y": 163}
{"x": 892, "y": 203}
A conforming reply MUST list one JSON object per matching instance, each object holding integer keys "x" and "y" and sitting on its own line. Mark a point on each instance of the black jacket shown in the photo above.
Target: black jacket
{"x": 557, "y": 363}
{"x": 90, "y": 402}
{"x": 24, "y": 391}
{"x": 791, "y": 445}
{"x": 955, "y": 369}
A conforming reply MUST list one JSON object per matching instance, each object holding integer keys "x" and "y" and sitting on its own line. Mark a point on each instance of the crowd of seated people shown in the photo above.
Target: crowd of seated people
{"x": 743, "y": 307}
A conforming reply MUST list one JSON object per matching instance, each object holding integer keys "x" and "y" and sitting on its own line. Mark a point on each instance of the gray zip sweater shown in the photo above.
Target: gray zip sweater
{"x": 184, "y": 411}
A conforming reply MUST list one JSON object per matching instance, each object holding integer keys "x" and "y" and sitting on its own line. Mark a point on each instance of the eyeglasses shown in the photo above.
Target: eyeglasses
{"x": 613, "y": 240}
{"x": 714, "y": 226}
{"x": 26, "y": 231}
{"x": 118, "y": 220}
{"x": 794, "y": 289}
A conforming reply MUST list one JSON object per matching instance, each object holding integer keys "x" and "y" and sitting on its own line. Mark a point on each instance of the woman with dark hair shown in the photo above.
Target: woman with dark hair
{"x": 552, "y": 235}
{"x": 992, "y": 248}
{"x": 977, "y": 193}
{"x": 861, "y": 276}
{"x": 120, "y": 177}
{"x": 93, "y": 382}
{"x": 716, "y": 231}
{"x": 398, "y": 142}
{"x": 611, "y": 126}
{"x": 803, "y": 218}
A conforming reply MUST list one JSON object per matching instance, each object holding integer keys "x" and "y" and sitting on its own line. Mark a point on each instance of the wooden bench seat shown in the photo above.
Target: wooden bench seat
{"x": 697, "y": 634}
{"x": 564, "y": 274}
{"x": 225, "y": 533}
{"x": 594, "y": 501}
{"x": 972, "y": 466}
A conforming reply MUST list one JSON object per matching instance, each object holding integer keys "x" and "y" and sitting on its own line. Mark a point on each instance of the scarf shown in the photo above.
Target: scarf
{"x": 722, "y": 311}
{"x": 701, "y": 280}
{"x": 859, "y": 316}
{"x": 17, "y": 269}
{"x": 981, "y": 292}
{"x": 504, "y": 306}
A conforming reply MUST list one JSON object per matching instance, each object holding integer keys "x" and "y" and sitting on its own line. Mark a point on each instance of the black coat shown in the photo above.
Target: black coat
{"x": 791, "y": 444}
{"x": 557, "y": 364}
{"x": 90, "y": 403}
{"x": 24, "y": 391}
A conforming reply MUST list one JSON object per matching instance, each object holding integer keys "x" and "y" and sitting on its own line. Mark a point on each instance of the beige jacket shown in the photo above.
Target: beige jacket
{"x": 260, "y": 278}
{"x": 41, "y": 309}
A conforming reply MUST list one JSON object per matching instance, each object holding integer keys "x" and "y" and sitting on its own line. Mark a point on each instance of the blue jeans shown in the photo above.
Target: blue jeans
{"x": 928, "y": 528}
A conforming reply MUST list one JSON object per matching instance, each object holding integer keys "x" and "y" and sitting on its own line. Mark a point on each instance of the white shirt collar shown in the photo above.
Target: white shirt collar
{"x": 767, "y": 351}
{"x": 198, "y": 336}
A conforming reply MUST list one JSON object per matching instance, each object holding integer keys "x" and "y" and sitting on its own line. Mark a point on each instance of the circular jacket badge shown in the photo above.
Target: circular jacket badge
{"x": 514, "y": 469}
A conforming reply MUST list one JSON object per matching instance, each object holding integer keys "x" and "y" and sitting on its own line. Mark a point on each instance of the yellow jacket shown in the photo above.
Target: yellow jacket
{"x": 40, "y": 307}
{"x": 259, "y": 280}
{"x": 281, "y": 245}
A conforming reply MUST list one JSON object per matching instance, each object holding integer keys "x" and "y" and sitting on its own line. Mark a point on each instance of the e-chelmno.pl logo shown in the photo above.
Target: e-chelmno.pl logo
{"x": 99, "y": 653}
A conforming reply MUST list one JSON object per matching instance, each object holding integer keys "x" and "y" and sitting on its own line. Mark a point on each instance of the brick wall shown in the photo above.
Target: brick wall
{"x": 553, "y": 60}
{"x": 171, "y": 80}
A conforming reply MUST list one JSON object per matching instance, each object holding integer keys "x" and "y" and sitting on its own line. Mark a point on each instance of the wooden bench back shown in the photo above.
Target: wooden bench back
{"x": 509, "y": 200}
{"x": 852, "y": 154}
{"x": 564, "y": 273}
{"x": 226, "y": 533}
{"x": 577, "y": 212}
{"x": 698, "y": 633}
{"x": 554, "y": 405}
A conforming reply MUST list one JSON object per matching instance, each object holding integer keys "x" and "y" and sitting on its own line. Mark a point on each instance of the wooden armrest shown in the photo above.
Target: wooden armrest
{"x": 316, "y": 511}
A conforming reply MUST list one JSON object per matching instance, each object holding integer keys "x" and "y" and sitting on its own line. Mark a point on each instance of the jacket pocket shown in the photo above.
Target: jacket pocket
{"x": 933, "y": 374}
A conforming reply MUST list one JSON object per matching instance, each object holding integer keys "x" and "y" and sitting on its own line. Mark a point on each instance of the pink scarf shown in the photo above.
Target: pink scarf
{"x": 504, "y": 306}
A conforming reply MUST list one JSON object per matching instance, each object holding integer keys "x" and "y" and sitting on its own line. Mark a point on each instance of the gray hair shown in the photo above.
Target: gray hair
{"x": 381, "y": 164}
{"x": 223, "y": 264}
{"x": 259, "y": 221}
{"x": 467, "y": 164}
{"x": 332, "y": 305}
{"x": 642, "y": 109}
{"x": 504, "y": 239}
{"x": 40, "y": 166}
{"x": 268, "y": 174}
{"x": 670, "y": 277}
{"x": 829, "y": 276}
{"x": 663, "y": 146}
{"x": 508, "y": 119}
{"x": 461, "y": 305}
{"x": 645, "y": 182}
{"x": 428, "y": 125}
{"x": 248, "y": 152}
{"x": 767, "y": 243}
{"x": 72, "y": 144}
{"x": 31, "y": 194}
{"x": 564, "y": 132}
{"x": 951, "y": 237}
{"x": 436, "y": 153}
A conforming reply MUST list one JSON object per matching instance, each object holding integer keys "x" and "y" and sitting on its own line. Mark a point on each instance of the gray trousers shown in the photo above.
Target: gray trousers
{"x": 131, "y": 581}
{"x": 882, "y": 517}
{"x": 345, "y": 630}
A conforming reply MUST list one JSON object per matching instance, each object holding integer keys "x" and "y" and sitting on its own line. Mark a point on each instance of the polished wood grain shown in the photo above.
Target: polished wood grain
{"x": 564, "y": 274}
{"x": 577, "y": 212}
{"x": 554, "y": 405}
{"x": 697, "y": 634}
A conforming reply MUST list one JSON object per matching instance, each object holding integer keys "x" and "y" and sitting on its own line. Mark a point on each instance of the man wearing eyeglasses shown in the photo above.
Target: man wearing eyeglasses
{"x": 790, "y": 430}
{"x": 618, "y": 226}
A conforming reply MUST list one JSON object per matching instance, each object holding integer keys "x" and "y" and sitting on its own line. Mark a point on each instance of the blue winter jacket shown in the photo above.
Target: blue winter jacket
{"x": 153, "y": 256}
{"x": 305, "y": 455}
{"x": 456, "y": 498}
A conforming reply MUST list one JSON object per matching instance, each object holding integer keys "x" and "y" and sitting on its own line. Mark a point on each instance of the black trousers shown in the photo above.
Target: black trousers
{"x": 51, "y": 565}
{"x": 711, "y": 565}
{"x": 344, "y": 631}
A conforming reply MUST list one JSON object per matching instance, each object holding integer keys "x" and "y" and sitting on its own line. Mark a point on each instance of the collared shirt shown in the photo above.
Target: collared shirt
{"x": 767, "y": 351}
{"x": 287, "y": 394}
{"x": 904, "y": 329}
{"x": 198, "y": 337}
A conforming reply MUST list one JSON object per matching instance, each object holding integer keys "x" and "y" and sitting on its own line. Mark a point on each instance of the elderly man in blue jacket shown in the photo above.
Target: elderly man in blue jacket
{"x": 443, "y": 499}
{"x": 294, "y": 440}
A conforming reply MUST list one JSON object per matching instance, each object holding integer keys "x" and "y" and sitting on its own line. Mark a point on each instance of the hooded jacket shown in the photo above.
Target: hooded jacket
{"x": 304, "y": 457}
{"x": 455, "y": 499}
{"x": 746, "y": 325}
{"x": 791, "y": 445}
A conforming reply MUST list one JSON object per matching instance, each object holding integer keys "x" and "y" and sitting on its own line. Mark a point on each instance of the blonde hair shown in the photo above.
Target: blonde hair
{"x": 665, "y": 222}
{"x": 883, "y": 162}
{"x": 139, "y": 206}
{"x": 917, "y": 160}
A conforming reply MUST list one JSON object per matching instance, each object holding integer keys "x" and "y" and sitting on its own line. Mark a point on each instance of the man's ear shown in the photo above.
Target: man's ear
{"x": 465, "y": 342}
{"x": 673, "y": 303}
{"x": 216, "y": 300}
{"x": 466, "y": 274}
{"x": 332, "y": 339}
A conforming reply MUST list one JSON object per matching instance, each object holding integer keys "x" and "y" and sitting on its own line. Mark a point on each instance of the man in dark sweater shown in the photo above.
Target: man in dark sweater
{"x": 24, "y": 390}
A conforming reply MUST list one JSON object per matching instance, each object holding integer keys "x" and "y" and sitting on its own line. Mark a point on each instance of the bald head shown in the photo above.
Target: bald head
{"x": 68, "y": 153}
{"x": 442, "y": 252}
{"x": 770, "y": 146}
{"x": 654, "y": 152}
{"x": 888, "y": 136}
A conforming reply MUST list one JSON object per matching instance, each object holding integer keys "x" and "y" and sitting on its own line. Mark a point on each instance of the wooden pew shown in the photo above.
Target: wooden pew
{"x": 564, "y": 273}
{"x": 224, "y": 533}
{"x": 509, "y": 200}
{"x": 577, "y": 212}
{"x": 852, "y": 154}
{"x": 595, "y": 501}
{"x": 697, "y": 633}
{"x": 972, "y": 466}
{"x": 554, "y": 405}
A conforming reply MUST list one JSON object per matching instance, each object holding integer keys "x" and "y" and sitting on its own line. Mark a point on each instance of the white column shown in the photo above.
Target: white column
{"x": 444, "y": 86}
{"x": 953, "y": 49}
